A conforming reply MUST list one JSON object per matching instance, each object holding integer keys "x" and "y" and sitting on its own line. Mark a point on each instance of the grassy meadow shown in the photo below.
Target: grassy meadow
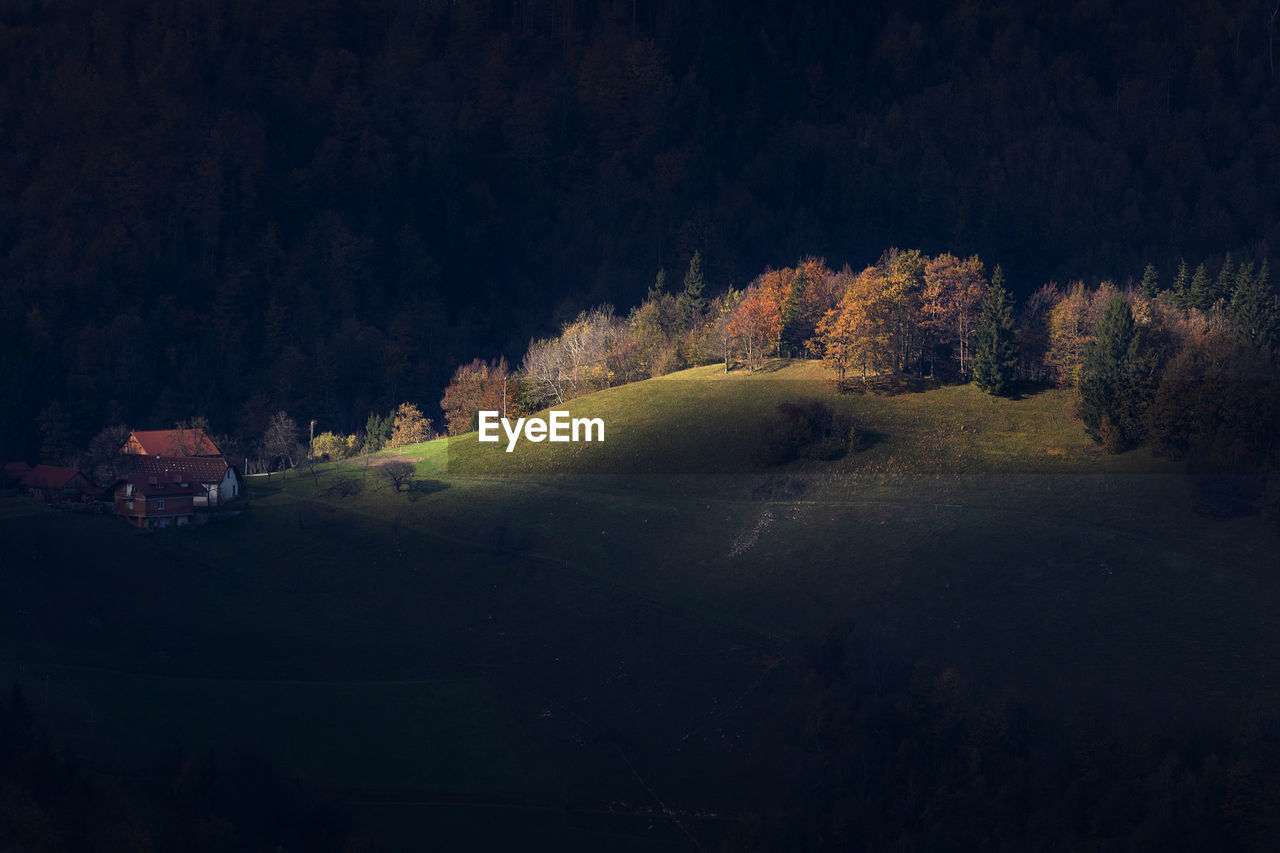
{"x": 554, "y": 646}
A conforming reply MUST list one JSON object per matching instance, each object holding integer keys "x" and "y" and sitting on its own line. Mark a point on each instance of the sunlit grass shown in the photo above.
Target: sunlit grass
{"x": 703, "y": 420}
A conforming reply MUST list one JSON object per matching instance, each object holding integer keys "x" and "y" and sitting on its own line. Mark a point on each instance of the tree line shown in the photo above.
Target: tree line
{"x": 1190, "y": 368}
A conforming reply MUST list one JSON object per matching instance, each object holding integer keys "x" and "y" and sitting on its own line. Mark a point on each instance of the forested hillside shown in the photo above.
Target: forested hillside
{"x": 229, "y": 209}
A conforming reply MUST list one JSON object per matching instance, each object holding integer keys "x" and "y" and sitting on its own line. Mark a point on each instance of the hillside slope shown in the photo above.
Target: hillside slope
{"x": 706, "y": 421}
{"x": 537, "y": 647}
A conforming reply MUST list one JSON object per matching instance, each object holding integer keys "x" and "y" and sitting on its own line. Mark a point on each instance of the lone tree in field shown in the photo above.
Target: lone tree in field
{"x": 411, "y": 427}
{"x": 995, "y": 355}
{"x": 398, "y": 474}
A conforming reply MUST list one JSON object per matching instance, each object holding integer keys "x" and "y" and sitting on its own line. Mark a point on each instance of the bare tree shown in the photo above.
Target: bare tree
{"x": 312, "y": 466}
{"x": 280, "y": 441}
{"x": 106, "y": 461}
{"x": 574, "y": 363}
{"x": 191, "y": 436}
{"x": 398, "y": 474}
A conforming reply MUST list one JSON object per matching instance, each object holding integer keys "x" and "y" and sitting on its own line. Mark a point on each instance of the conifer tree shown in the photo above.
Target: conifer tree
{"x": 1244, "y": 277}
{"x": 1200, "y": 294}
{"x": 1150, "y": 282}
{"x": 691, "y": 300}
{"x": 377, "y": 429}
{"x": 1254, "y": 313}
{"x": 1224, "y": 284}
{"x": 792, "y": 338}
{"x": 659, "y": 286}
{"x": 998, "y": 278}
{"x": 995, "y": 355}
{"x": 1115, "y": 379}
{"x": 1182, "y": 285}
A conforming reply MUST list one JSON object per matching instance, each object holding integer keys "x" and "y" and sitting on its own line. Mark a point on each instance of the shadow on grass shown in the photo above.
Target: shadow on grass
{"x": 867, "y": 439}
{"x": 259, "y": 488}
{"x": 890, "y": 385}
{"x": 421, "y": 488}
{"x": 1027, "y": 390}
{"x": 773, "y": 365}
{"x": 893, "y": 385}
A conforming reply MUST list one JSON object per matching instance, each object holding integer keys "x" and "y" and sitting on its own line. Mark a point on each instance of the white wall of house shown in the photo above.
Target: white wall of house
{"x": 222, "y": 491}
{"x": 230, "y": 487}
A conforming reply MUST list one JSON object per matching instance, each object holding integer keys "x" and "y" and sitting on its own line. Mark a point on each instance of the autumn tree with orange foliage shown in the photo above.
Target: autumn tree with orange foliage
{"x": 475, "y": 387}
{"x": 756, "y": 323}
{"x": 855, "y": 334}
{"x": 1071, "y": 329}
{"x": 951, "y": 300}
{"x": 806, "y": 292}
{"x": 899, "y": 280}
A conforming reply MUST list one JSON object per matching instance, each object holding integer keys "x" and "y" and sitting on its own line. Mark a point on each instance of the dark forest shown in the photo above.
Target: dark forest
{"x": 226, "y": 209}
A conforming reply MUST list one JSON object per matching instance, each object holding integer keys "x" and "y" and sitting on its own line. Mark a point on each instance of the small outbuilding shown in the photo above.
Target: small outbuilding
{"x": 53, "y": 484}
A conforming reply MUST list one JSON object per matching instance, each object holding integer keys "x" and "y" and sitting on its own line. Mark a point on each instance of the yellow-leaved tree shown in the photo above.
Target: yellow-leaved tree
{"x": 856, "y": 334}
{"x": 411, "y": 426}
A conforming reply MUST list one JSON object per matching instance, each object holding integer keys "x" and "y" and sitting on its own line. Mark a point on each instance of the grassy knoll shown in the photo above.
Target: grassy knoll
{"x": 706, "y": 421}
{"x": 547, "y": 643}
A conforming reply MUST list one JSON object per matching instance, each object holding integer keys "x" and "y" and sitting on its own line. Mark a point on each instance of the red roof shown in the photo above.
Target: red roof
{"x": 148, "y": 484}
{"x": 201, "y": 469}
{"x": 50, "y": 477}
{"x": 175, "y": 442}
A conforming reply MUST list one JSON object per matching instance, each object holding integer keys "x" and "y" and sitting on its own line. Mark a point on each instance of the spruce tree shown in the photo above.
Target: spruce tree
{"x": 691, "y": 300}
{"x": 995, "y": 355}
{"x": 1150, "y": 282}
{"x": 793, "y": 335}
{"x": 1254, "y": 313}
{"x": 659, "y": 287}
{"x": 1201, "y": 291}
{"x": 1225, "y": 283}
{"x": 1182, "y": 285}
{"x": 1115, "y": 379}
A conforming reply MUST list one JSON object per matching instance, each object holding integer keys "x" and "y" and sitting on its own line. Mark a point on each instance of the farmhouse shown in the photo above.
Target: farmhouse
{"x": 58, "y": 485}
{"x": 170, "y": 442}
{"x": 219, "y": 482}
{"x": 152, "y": 502}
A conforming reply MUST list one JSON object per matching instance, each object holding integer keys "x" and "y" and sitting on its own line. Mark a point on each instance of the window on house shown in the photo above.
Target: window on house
{"x": 159, "y": 504}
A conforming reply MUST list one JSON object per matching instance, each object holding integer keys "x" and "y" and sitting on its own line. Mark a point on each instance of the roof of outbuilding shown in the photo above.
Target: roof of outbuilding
{"x": 49, "y": 477}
